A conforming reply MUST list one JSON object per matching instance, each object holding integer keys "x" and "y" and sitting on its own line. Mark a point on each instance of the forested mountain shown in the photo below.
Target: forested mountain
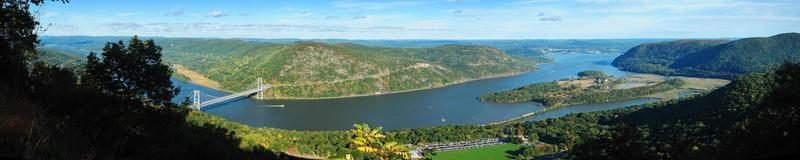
{"x": 312, "y": 69}
{"x": 656, "y": 57}
{"x": 522, "y": 47}
{"x": 60, "y": 58}
{"x": 712, "y": 58}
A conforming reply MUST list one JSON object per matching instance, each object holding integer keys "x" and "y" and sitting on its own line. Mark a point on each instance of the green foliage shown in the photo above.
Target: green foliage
{"x": 18, "y": 41}
{"x": 591, "y": 73}
{"x": 752, "y": 117}
{"x": 515, "y": 140}
{"x": 371, "y": 141}
{"x": 46, "y": 113}
{"x": 60, "y": 58}
{"x": 65, "y": 120}
{"x": 536, "y": 150}
{"x": 712, "y": 58}
{"x": 532, "y": 92}
{"x": 132, "y": 71}
{"x": 501, "y": 151}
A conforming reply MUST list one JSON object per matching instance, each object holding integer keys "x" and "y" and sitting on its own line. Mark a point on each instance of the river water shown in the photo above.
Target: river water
{"x": 454, "y": 104}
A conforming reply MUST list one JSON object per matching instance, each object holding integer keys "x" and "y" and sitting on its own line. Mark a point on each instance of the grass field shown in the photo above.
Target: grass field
{"x": 503, "y": 151}
{"x": 196, "y": 78}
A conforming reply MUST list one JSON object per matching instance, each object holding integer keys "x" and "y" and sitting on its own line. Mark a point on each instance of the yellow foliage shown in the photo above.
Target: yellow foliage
{"x": 369, "y": 141}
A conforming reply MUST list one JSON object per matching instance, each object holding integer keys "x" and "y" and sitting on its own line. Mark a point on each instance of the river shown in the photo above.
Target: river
{"x": 454, "y": 104}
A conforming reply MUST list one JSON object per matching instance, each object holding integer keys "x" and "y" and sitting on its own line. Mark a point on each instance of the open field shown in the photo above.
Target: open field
{"x": 196, "y": 78}
{"x": 640, "y": 80}
{"x": 691, "y": 86}
{"x": 503, "y": 151}
{"x": 583, "y": 83}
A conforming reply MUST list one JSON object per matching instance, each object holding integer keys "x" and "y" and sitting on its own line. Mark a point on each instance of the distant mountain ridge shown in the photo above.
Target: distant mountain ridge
{"x": 517, "y": 47}
{"x": 712, "y": 58}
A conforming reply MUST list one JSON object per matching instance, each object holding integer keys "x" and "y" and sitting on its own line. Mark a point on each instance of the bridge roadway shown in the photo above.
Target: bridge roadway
{"x": 228, "y": 97}
{"x": 259, "y": 91}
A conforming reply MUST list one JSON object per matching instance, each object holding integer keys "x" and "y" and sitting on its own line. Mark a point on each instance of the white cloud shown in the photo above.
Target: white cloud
{"x": 216, "y": 14}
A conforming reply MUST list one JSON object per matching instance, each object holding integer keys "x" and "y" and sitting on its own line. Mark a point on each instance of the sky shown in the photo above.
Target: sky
{"x": 422, "y": 19}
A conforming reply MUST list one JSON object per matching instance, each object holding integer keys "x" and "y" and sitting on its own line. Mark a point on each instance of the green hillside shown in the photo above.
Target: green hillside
{"x": 57, "y": 57}
{"x": 712, "y": 58}
{"x": 311, "y": 70}
{"x": 315, "y": 70}
{"x": 752, "y": 117}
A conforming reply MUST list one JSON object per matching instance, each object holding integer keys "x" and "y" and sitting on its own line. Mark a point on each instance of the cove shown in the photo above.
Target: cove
{"x": 450, "y": 105}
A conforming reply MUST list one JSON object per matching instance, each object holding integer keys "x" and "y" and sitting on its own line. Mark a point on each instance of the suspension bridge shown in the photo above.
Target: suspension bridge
{"x": 258, "y": 91}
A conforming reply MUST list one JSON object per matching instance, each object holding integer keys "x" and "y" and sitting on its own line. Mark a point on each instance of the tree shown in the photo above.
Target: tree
{"x": 17, "y": 41}
{"x": 591, "y": 73}
{"x": 530, "y": 151}
{"x": 370, "y": 141}
{"x": 134, "y": 71}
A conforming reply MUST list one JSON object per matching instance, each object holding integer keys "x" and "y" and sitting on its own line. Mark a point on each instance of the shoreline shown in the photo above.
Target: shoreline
{"x": 502, "y": 75}
{"x": 410, "y": 90}
{"x": 382, "y": 93}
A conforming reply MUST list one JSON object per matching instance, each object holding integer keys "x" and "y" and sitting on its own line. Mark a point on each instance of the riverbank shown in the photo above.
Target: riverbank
{"x": 411, "y": 90}
{"x": 205, "y": 82}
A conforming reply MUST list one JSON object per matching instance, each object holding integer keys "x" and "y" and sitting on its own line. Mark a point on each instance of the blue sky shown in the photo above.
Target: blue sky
{"x": 423, "y": 19}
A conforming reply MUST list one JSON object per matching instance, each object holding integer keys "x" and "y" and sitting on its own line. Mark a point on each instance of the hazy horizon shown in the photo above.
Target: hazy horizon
{"x": 349, "y": 39}
{"x": 423, "y": 19}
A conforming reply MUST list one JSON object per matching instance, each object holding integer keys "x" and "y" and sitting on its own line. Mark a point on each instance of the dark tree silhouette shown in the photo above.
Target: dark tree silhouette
{"x": 134, "y": 71}
{"x": 17, "y": 41}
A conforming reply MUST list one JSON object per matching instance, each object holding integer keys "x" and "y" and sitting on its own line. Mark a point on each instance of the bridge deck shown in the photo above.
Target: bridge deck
{"x": 228, "y": 97}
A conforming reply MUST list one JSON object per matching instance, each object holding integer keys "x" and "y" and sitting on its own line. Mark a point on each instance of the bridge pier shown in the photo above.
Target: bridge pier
{"x": 260, "y": 93}
{"x": 196, "y": 99}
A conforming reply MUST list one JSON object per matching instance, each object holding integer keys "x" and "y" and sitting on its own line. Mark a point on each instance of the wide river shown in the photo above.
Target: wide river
{"x": 454, "y": 104}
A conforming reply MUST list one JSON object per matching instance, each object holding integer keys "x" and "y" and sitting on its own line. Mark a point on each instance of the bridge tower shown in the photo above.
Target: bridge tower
{"x": 196, "y": 99}
{"x": 260, "y": 93}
